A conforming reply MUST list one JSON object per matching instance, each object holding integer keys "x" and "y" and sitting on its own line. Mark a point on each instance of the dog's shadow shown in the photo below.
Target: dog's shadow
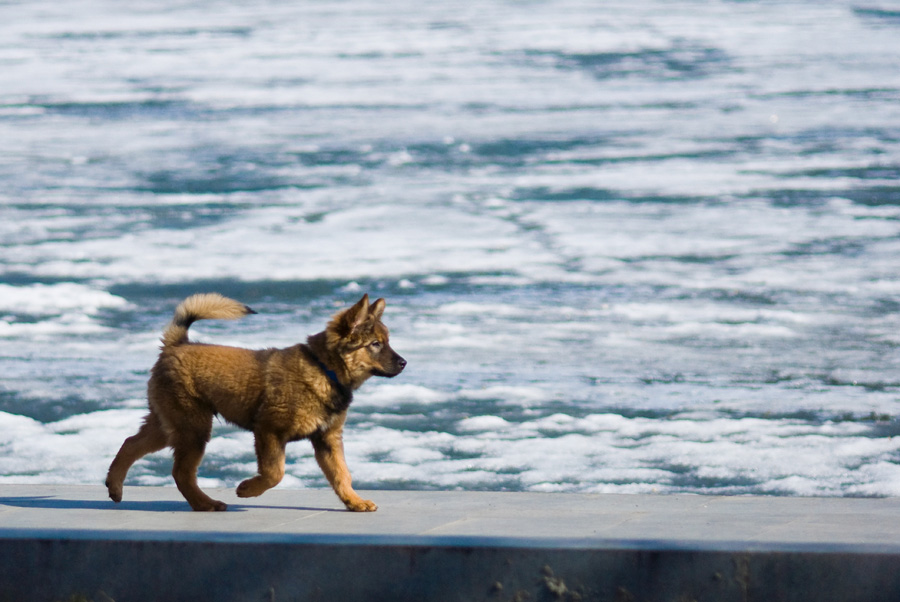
{"x": 54, "y": 503}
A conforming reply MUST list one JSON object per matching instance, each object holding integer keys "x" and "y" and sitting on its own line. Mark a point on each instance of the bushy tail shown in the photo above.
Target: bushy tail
{"x": 209, "y": 306}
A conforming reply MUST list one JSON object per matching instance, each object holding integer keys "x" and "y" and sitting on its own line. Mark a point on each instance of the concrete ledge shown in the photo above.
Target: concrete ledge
{"x": 58, "y": 543}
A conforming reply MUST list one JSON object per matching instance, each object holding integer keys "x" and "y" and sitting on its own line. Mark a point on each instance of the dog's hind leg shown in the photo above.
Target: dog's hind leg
{"x": 270, "y": 462}
{"x": 189, "y": 447}
{"x": 150, "y": 438}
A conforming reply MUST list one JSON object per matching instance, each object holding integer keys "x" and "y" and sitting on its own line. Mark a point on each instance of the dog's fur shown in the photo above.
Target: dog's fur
{"x": 282, "y": 395}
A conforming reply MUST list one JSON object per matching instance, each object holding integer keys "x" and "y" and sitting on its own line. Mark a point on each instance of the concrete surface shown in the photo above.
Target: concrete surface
{"x": 71, "y": 543}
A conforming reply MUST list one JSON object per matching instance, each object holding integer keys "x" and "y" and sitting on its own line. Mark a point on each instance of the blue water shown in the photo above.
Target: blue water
{"x": 626, "y": 247}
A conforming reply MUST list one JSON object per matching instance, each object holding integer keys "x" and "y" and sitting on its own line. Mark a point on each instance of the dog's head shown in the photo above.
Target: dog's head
{"x": 361, "y": 339}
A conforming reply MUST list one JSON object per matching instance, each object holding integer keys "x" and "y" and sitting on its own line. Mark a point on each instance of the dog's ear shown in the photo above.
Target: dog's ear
{"x": 356, "y": 315}
{"x": 377, "y": 309}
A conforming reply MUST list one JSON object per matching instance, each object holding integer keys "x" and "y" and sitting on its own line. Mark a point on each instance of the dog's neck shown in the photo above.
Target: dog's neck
{"x": 331, "y": 374}
{"x": 318, "y": 351}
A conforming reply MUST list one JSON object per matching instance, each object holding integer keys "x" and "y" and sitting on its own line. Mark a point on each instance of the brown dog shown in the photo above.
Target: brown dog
{"x": 282, "y": 395}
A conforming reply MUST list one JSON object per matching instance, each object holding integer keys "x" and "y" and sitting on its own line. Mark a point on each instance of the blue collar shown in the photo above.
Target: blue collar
{"x": 331, "y": 374}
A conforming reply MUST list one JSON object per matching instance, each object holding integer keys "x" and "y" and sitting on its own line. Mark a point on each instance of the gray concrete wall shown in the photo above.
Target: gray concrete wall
{"x": 68, "y": 543}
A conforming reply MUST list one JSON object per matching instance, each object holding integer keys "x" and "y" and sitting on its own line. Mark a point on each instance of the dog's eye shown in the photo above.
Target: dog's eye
{"x": 375, "y": 345}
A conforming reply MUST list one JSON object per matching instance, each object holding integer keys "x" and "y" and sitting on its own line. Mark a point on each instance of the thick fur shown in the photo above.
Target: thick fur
{"x": 281, "y": 395}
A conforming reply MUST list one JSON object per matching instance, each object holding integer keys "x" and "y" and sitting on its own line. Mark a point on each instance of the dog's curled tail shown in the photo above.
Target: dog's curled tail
{"x": 208, "y": 306}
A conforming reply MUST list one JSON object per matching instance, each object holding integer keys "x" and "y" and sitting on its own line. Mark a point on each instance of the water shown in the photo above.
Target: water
{"x": 626, "y": 247}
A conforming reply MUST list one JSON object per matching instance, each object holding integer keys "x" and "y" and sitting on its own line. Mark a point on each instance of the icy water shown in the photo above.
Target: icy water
{"x": 626, "y": 247}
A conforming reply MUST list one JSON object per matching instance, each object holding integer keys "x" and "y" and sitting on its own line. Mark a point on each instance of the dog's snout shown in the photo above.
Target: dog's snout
{"x": 401, "y": 363}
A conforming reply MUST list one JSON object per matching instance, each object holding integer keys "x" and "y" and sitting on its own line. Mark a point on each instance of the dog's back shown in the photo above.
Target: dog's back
{"x": 229, "y": 381}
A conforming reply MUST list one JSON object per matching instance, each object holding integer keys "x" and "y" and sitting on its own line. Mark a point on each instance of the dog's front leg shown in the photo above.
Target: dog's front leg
{"x": 270, "y": 463}
{"x": 329, "y": 447}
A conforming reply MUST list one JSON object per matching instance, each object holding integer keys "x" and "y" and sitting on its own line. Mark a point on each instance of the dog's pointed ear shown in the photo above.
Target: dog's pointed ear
{"x": 357, "y": 314}
{"x": 377, "y": 309}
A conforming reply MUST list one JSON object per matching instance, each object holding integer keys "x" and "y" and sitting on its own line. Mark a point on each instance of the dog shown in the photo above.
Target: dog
{"x": 281, "y": 395}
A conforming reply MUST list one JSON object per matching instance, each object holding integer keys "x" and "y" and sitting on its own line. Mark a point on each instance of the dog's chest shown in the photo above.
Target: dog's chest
{"x": 309, "y": 410}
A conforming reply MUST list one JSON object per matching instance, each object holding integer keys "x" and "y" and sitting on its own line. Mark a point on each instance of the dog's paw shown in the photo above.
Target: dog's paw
{"x": 361, "y": 505}
{"x": 115, "y": 492}
{"x": 210, "y": 506}
{"x": 248, "y": 488}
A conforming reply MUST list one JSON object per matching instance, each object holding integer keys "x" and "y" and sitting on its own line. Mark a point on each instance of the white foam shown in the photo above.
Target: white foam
{"x": 714, "y": 317}
{"x": 75, "y": 450}
{"x": 383, "y": 395}
{"x": 483, "y": 424}
{"x": 512, "y": 394}
{"x": 266, "y": 244}
{"x": 559, "y": 452}
{"x": 50, "y": 299}
{"x": 64, "y": 309}
{"x": 466, "y": 308}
